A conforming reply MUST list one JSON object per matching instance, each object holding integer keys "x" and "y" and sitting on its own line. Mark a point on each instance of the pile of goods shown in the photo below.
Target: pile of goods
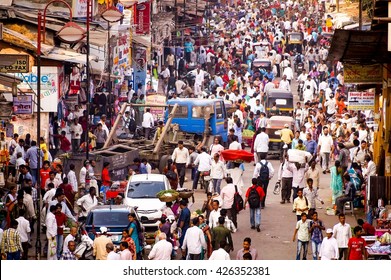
{"x": 185, "y": 193}
{"x": 167, "y": 195}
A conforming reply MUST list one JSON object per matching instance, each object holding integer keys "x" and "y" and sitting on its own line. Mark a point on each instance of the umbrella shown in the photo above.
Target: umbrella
{"x": 232, "y": 155}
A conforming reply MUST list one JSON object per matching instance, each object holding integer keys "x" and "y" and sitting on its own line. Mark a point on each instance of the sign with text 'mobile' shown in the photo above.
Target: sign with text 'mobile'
{"x": 361, "y": 101}
{"x": 23, "y": 105}
{"x": 49, "y": 86}
{"x": 363, "y": 74}
{"x": 141, "y": 18}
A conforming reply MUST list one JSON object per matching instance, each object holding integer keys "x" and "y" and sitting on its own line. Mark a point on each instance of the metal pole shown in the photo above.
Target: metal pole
{"x": 38, "y": 245}
{"x": 151, "y": 46}
{"x": 183, "y": 22}
{"x": 88, "y": 76}
{"x": 176, "y": 36}
{"x": 360, "y": 15}
{"x": 109, "y": 54}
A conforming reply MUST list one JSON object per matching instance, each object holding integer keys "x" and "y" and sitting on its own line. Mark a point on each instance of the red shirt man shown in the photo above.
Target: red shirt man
{"x": 106, "y": 181}
{"x": 368, "y": 228}
{"x": 44, "y": 174}
{"x": 356, "y": 246}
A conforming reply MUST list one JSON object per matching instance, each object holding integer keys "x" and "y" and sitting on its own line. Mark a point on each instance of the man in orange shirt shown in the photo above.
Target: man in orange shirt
{"x": 341, "y": 104}
{"x": 106, "y": 181}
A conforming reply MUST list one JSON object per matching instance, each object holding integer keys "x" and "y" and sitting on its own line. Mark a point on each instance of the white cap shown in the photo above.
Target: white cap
{"x": 329, "y": 230}
{"x": 103, "y": 229}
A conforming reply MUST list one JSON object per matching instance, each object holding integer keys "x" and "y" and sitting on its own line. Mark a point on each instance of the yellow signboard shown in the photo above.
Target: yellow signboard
{"x": 363, "y": 74}
{"x": 14, "y": 63}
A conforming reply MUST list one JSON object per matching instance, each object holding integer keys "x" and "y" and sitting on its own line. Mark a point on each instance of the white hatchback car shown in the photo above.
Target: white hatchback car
{"x": 141, "y": 194}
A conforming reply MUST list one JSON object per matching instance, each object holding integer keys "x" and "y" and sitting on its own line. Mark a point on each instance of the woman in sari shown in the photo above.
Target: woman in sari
{"x": 208, "y": 237}
{"x": 336, "y": 183}
{"x": 10, "y": 202}
{"x": 174, "y": 180}
{"x": 132, "y": 245}
{"x": 133, "y": 231}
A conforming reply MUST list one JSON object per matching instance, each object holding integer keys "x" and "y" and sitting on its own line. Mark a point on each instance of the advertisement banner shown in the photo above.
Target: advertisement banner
{"x": 361, "y": 101}
{"x": 79, "y": 8}
{"x": 157, "y": 112}
{"x": 363, "y": 74}
{"x": 23, "y": 104}
{"x": 142, "y": 18}
{"x": 49, "y": 86}
{"x": 139, "y": 68}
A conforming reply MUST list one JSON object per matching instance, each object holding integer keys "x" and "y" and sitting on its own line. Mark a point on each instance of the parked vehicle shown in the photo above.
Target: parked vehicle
{"x": 295, "y": 42}
{"x": 113, "y": 217}
{"x": 141, "y": 195}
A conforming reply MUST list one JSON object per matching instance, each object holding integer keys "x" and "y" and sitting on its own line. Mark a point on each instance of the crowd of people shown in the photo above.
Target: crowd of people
{"x": 334, "y": 137}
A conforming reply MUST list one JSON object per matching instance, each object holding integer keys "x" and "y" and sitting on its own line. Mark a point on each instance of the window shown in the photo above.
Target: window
{"x": 181, "y": 111}
{"x": 219, "y": 111}
{"x": 145, "y": 189}
{"x": 112, "y": 218}
{"x": 280, "y": 101}
{"x": 198, "y": 112}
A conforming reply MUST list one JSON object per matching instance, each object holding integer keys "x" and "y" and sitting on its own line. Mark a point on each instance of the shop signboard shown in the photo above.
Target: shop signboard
{"x": 363, "y": 74}
{"x": 141, "y": 18}
{"x": 139, "y": 68}
{"x": 49, "y": 86}
{"x": 71, "y": 101}
{"x": 79, "y": 8}
{"x": 157, "y": 112}
{"x": 23, "y": 105}
{"x": 14, "y": 63}
{"x": 361, "y": 101}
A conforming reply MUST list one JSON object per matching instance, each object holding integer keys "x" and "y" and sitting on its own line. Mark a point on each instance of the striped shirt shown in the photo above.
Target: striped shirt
{"x": 11, "y": 241}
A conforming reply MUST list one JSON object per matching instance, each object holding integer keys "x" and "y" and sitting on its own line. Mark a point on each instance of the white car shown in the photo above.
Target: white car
{"x": 141, "y": 194}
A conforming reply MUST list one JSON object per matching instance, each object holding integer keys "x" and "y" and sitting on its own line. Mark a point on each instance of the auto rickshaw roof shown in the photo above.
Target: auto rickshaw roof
{"x": 280, "y": 93}
{"x": 192, "y": 101}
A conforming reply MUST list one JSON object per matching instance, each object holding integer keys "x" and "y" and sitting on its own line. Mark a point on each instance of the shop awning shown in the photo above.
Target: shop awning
{"x": 142, "y": 40}
{"x": 359, "y": 47}
{"x": 68, "y": 56}
{"x": 7, "y": 80}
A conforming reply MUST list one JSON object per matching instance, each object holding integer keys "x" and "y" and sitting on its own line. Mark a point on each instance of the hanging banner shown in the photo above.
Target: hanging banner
{"x": 49, "y": 86}
{"x": 363, "y": 74}
{"x": 23, "y": 105}
{"x": 139, "y": 68}
{"x": 142, "y": 18}
{"x": 157, "y": 112}
{"x": 361, "y": 101}
{"x": 79, "y": 8}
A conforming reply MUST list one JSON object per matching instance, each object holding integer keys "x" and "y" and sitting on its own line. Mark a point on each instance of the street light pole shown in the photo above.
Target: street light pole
{"x": 88, "y": 74}
{"x": 38, "y": 244}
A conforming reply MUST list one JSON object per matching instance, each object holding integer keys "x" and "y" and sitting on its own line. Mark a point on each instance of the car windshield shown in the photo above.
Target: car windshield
{"x": 112, "y": 218}
{"x": 145, "y": 189}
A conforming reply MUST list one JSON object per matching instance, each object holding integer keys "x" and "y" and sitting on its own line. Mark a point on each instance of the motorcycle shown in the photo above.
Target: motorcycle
{"x": 299, "y": 68}
{"x": 300, "y": 89}
{"x": 85, "y": 248}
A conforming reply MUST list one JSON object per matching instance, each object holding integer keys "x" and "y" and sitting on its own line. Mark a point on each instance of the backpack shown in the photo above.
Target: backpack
{"x": 254, "y": 200}
{"x": 264, "y": 172}
{"x": 238, "y": 203}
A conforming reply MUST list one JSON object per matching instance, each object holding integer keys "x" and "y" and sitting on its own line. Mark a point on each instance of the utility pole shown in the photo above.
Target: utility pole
{"x": 176, "y": 36}
{"x": 360, "y": 15}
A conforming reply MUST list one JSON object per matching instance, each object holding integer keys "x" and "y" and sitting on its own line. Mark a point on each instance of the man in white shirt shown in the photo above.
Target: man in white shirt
{"x": 111, "y": 255}
{"x": 199, "y": 81}
{"x": 329, "y": 248}
{"x": 220, "y": 254}
{"x": 125, "y": 254}
{"x": 181, "y": 158}
{"x": 303, "y": 236}
{"x": 342, "y": 232}
{"x": 76, "y": 130}
{"x": 330, "y": 104}
{"x": 162, "y": 249}
{"x": 261, "y": 144}
{"x": 369, "y": 168}
{"x": 284, "y": 84}
{"x": 310, "y": 82}
{"x": 148, "y": 122}
{"x": 288, "y": 72}
{"x": 24, "y": 232}
{"x": 70, "y": 237}
{"x": 72, "y": 177}
{"x": 227, "y": 194}
{"x": 51, "y": 233}
{"x": 325, "y": 148}
{"x": 87, "y": 202}
{"x": 215, "y": 213}
{"x": 194, "y": 241}
{"x": 204, "y": 162}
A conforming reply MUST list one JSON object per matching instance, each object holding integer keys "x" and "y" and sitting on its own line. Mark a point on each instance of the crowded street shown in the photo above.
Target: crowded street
{"x": 194, "y": 130}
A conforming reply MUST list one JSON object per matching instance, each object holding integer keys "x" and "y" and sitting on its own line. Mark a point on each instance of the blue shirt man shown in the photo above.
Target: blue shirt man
{"x": 184, "y": 220}
{"x": 310, "y": 145}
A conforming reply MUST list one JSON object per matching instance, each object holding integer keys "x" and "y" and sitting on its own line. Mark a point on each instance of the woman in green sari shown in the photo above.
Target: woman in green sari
{"x": 336, "y": 183}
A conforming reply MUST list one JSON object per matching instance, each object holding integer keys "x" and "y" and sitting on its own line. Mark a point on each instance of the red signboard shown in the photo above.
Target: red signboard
{"x": 142, "y": 18}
